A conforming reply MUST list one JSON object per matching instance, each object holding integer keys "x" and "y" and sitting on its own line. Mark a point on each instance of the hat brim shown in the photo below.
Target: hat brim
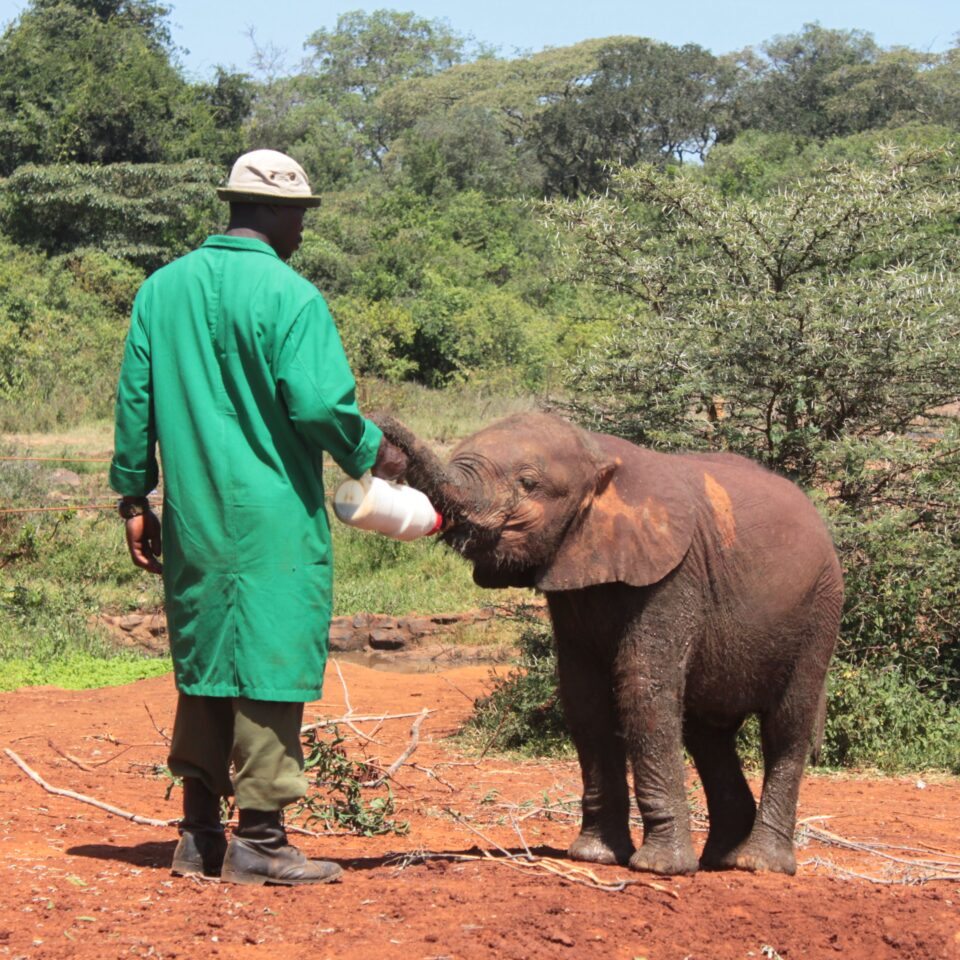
{"x": 270, "y": 199}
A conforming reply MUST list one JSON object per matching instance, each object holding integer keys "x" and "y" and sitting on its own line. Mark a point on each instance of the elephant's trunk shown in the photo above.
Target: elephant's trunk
{"x": 425, "y": 472}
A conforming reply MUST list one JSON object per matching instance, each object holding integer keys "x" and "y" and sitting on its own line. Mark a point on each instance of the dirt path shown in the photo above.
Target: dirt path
{"x": 76, "y": 882}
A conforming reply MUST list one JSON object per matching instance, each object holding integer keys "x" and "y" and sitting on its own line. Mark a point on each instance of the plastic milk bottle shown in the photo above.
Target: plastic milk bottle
{"x": 393, "y": 509}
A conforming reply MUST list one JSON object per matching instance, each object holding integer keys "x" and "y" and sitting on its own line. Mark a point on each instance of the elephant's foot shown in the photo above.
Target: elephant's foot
{"x": 594, "y": 849}
{"x": 758, "y": 853}
{"x": 718, "y": 856}
{"x": 721, "y": 849}
{"x": 757, "y": 858}
{"x": 664, "y": 858}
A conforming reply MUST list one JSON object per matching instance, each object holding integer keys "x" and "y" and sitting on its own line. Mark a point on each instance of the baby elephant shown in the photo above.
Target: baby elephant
{"x": 686, "y": 591}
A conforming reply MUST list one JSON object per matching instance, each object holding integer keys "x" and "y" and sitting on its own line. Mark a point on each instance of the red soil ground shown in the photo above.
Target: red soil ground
{"x": 78, "y": 882}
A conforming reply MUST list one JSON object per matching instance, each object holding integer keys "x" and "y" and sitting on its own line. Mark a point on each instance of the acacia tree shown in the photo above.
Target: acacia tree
{"x": 825, "y": 310}
{"x": 817, "y": 329}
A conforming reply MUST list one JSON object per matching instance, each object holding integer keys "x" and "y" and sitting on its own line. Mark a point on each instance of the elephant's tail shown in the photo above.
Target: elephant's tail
{"x": 819, "y": 722}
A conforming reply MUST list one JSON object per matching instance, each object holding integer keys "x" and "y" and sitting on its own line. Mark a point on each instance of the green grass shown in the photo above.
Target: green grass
{"x": 80, "y": 671}
{"x": 60, "y": 571}
{"x": 377, "y": 575}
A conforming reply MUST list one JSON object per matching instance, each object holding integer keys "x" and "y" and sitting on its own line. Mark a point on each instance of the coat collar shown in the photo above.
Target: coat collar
{"x": 240, "y": 243}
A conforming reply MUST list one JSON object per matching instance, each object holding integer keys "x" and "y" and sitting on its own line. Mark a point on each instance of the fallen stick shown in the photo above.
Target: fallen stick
{"x": 156, "y": 727}
{"x": 307, "y": 727}
{"x": 565, "y": 871}
{"x": 876, "y": 850}
{"x": 71, "y": 795}
{"x": 399, "y": 762}
{"x": 884, "y": 881}
{"x": 433, "y": 775}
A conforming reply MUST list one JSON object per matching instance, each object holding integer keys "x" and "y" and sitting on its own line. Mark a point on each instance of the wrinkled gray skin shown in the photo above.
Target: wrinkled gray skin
{"x": 685, "y": 592}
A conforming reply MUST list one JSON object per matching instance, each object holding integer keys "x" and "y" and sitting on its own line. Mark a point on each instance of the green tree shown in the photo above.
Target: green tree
{"x": 467, "y": 149}
{"x": 892, "y": 90}
{"x": 146, "y": 213}
{"x": 944, "y": 82}
{"x": 228, "y": 99}
{"x": 816, "y": 328}
{"x": 646, "y": 101}
{"x": 327, "y": 114}
{"x": 94, "y": 81}
{"x": 516, "y": 91}
{"x": 62, "y": 323}
{"x": 785, "y": 88}
{"x": 439, "y": 289}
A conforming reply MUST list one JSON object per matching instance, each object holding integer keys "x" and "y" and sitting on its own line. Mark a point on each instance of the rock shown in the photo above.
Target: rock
{"x": 446, "y": 619}
{"x": 418, "y": 626}
{"x": 387, "y": 640}
{"x": 344, "y": 638}
{"x": 130, "y": 621}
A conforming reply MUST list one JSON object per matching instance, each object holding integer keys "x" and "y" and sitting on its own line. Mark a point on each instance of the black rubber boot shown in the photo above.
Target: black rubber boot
{"x": 203, "y": 842}
{"x": 259, "y": 853}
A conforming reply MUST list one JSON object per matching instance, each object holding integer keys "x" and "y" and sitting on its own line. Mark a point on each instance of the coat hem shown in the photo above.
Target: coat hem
{"x": 250, "y": 693}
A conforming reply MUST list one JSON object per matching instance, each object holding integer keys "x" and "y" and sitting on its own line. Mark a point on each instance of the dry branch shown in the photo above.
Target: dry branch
{"x": 159, "y": 729}
{"x": 911, "y": 870}
{"x": 389, "y": 773}
{"x": 373, "y": 718}
{"x": 66, "y": 756}
{"x": 81, "y": 798}
{"x": 529, "y": 862}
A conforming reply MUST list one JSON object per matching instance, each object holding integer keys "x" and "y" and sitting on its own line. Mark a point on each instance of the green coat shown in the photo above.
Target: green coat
{"x": 233, "y": 365}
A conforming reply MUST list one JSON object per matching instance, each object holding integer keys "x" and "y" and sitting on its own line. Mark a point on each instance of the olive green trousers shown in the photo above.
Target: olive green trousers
{"x": 260, "y": 738}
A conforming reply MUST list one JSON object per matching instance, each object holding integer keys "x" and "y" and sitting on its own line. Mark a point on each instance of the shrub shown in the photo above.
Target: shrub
{"x": 523, "y": 711}
{"x": 877, "y": 717}
{"x": 61, "y": 336}
{"x": 147, "y": 213}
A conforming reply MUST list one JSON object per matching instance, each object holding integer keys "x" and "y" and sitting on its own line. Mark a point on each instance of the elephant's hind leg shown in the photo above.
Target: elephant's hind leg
{"x": 730, "y": 803}
{"x": 787, "y": 731}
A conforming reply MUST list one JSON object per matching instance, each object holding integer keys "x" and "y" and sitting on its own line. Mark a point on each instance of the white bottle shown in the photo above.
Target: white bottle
{"x": 393, "y": 509}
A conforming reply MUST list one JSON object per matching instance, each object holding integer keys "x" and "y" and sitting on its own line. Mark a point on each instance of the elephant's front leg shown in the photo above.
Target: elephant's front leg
{"x": 590, "y": 709}
{"x": 650, "y": 688}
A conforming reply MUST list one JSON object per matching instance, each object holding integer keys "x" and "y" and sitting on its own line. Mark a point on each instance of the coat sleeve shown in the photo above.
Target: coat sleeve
{"x": 320, "y": 392}
{"x": 134, "y": 471}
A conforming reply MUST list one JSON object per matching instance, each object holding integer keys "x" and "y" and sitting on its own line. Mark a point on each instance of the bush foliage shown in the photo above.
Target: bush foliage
{"x": 793, "y": 297}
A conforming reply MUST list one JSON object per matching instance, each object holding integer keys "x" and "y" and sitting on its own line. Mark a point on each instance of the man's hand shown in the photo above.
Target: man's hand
{"x": 391, "y": 461}
{"x": 143, "y": 541}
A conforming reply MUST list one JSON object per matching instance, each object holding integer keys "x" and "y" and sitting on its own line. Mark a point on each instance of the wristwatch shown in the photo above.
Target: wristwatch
{"x": 128, "y": 509}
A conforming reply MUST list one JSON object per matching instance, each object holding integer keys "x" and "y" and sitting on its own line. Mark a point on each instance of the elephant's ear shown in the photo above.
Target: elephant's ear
{"x": 634, "y": 527}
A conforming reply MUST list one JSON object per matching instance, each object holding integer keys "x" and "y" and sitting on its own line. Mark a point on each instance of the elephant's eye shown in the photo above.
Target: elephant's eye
{"x": 528, "y": 482}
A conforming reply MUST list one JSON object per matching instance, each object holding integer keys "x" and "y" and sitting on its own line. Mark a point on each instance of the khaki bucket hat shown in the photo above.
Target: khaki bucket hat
{"x": 268, "y": 176}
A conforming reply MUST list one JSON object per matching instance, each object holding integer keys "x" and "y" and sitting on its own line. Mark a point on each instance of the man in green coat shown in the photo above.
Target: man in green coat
{"x": 234, "y": 368}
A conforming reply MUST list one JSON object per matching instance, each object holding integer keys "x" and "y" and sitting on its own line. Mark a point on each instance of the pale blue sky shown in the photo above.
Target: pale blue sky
{"x": 215, "y": 31}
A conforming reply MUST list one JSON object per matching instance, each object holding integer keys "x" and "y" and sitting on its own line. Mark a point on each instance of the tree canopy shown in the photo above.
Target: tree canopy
{"x": 94, "y": 81}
